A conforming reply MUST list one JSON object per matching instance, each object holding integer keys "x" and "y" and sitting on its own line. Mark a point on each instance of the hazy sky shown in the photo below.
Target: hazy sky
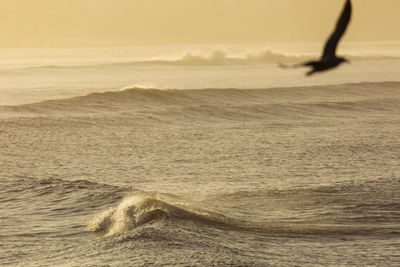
{"x": 158, "y": 22}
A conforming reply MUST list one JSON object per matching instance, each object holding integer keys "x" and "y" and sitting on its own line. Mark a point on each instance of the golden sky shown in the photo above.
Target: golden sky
{"x": 159, "y": 22}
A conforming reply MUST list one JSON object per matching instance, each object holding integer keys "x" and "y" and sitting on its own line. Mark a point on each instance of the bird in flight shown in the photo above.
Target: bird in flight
{"x": 329, "y": 60}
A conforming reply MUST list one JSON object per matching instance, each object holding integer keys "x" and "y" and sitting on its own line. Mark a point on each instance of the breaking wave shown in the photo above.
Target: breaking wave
{"x": 140, "y": 211}
{"x": 216, "y": 57}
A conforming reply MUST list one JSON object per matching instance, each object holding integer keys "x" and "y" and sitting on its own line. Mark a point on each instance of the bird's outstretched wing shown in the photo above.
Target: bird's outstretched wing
{"x": 341, "y": 26}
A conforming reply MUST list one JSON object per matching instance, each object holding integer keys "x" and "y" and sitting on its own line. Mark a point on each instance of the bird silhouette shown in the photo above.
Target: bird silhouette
{"x": 329, "y": 60}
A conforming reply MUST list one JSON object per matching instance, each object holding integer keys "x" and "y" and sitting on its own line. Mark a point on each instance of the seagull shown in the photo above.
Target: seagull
{"x": 329, "y": 60}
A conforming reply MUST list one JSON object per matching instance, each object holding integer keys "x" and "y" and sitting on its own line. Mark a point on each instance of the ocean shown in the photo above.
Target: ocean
{"x": 199, "y": 156}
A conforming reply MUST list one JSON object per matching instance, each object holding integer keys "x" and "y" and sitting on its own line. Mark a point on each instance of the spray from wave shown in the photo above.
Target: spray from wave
{"x": 220, "y": 57}
{"x": 212, "y": 57}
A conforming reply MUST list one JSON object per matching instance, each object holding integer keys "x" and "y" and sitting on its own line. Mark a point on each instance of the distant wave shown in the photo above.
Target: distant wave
{"x": 142, "y": 103}
{"x": 216, "y": 57}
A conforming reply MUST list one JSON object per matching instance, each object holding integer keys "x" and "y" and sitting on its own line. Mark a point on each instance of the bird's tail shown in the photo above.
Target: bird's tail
{"x": 289, "y": 66}
{"x": 311, "y": 72}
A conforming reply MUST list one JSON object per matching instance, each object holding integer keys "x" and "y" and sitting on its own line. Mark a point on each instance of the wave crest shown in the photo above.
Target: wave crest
{"x": 138, "y": 211}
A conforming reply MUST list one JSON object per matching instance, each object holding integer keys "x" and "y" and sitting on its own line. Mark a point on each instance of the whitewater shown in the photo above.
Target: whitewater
{"x": 199, "y": 157}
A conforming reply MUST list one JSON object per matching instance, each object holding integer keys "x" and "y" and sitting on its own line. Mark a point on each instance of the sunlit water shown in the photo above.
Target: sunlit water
{"x": 122, "y": 165}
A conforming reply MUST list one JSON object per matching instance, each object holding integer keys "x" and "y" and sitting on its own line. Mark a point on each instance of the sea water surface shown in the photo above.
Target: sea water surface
{"x": 111, "y": 160}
